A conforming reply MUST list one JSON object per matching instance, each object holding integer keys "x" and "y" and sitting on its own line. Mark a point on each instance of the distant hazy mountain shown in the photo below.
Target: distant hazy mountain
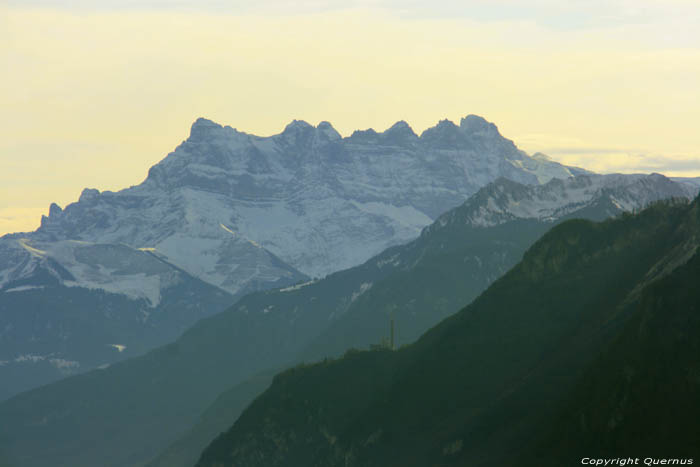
{"x": 588, "y": 347}
{"x": 149, "y": 402}
{"x": 319, "y": 202}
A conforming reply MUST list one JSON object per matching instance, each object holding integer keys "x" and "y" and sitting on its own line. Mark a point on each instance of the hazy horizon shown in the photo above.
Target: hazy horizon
{"x": 98, "y": 92}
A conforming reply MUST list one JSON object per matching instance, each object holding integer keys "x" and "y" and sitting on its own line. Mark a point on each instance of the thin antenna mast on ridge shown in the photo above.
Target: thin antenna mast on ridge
{"x": 391, "y": 341}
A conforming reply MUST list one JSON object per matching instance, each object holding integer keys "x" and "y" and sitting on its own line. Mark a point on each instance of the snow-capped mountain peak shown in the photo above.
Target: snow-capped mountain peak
{"x": 303, "y": 201}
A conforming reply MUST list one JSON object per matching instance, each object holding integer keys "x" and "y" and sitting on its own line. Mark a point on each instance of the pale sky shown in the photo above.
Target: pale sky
{"x": 94, "y": 92}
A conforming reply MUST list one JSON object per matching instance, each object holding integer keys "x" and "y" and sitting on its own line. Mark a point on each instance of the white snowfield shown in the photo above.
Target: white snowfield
{"x": 112, "y": 268}
{"x": 244, "y": 212}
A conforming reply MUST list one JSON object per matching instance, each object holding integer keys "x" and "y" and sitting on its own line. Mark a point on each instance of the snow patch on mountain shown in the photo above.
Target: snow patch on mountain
{"x": 112, "y": 268}
{"x": 407, "y": 216}
{"x": 364, "y": 287}
{"x": 65, "y": 365}
{"x": 59, "y": 363}
{"x": 30, "y": 358}
{"x": 296, "y": 287}
{"x": 392, "y": 260}
{"x": 23, "y": 288}
{"x": 23, "y": 242}
{"x": 504, "y": 200}
{"x": 544, "y": 168}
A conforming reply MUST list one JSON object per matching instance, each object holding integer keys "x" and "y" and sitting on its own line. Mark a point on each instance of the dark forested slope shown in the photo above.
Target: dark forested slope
{"x": 490, "y": 382}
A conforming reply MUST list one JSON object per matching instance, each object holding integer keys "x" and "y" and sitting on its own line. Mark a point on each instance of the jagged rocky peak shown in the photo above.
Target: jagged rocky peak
{"x": 443, "y": 127}
{"x": 89, "y": 194}
{"x": 444, "y": 135}
{"x": 400, "y": 132}
{"x": 327, "y": 131}
{"x": 364, "y": 136}
{"x": 204, "y": 128}
{"x": 296, "y": 126}
{"x": 297, "y": 132}
{"x": 478, "y": 126}
{"x": 469, "y": 127}
{"x": 55, "y": 210}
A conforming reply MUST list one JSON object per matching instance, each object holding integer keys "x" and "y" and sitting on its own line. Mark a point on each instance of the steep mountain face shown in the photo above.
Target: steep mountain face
{"x": 480, "y": 388}
{"x": 418, "y": 284}
{"x": 319, "y": 202}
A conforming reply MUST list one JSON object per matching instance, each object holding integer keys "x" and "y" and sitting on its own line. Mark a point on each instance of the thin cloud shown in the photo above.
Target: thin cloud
{"x": 670, "y": 165}
{"x": 585, "y": 150}
{"x": 617, "y": 160}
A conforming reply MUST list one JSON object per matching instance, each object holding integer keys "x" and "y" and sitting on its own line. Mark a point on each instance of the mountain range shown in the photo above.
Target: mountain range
{"x": 117, "y": 273}
{"x": 314, "y": 244}
{"x": 153, "y": 404}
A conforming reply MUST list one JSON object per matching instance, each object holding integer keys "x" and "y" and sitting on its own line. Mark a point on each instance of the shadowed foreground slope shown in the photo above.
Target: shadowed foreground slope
{"x": 641, "y": 397}
{"x": 487, "y": 384}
